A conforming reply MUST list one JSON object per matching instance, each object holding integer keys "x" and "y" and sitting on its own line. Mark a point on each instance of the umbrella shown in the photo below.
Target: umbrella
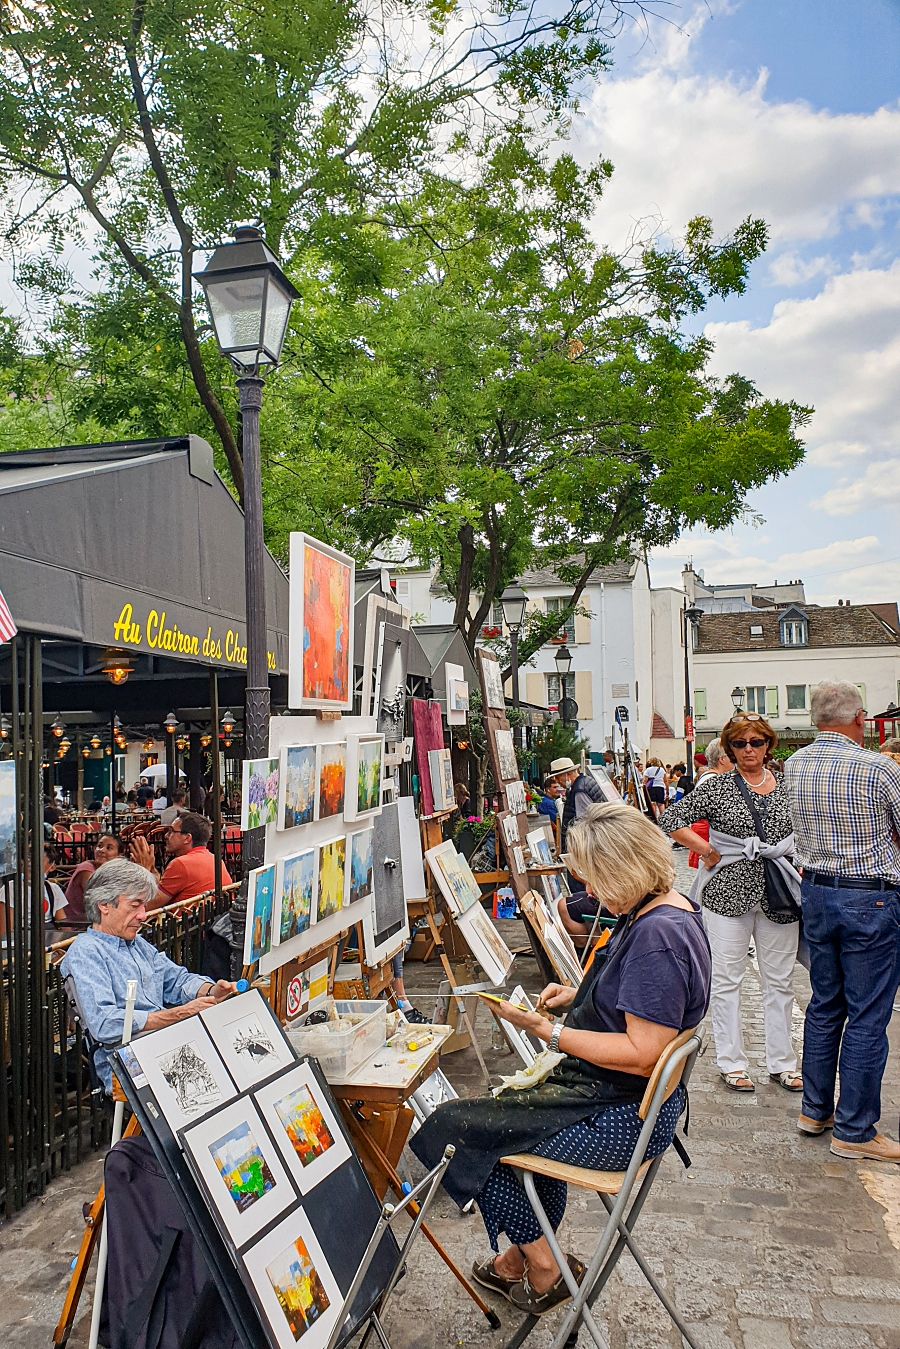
{"x": 157, "y": 770}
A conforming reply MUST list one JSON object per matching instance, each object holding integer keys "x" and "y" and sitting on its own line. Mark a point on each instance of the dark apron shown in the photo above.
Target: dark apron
{"x": 490, "y": 1127}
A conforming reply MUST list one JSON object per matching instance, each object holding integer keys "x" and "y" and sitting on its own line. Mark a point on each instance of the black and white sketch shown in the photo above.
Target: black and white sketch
{"x": 515, "y": 797}
{"x": 390, "y": 681}
{"x": 248, "y": 1038}
{"x": 184, "y": 1071}
{"x": 506, "y": 754}
{"x": 493, "y": 683}
{"x": 510, "y": 826}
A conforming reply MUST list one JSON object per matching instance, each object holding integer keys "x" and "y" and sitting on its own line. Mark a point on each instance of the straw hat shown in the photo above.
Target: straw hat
{"x": 562, "y": 766}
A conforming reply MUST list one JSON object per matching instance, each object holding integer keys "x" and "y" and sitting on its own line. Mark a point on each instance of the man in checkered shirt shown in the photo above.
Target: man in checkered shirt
{"x": 845, "y": 806}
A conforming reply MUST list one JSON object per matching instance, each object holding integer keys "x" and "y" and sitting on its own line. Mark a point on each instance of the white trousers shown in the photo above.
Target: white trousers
{"x": 776, "y": 953}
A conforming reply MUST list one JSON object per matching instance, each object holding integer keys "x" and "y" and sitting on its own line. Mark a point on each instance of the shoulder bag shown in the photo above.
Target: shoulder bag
{"x": 779, "y": 900}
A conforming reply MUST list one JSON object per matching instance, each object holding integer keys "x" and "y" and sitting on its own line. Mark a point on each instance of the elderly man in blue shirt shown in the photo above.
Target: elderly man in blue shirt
{"x": 104, "y": 959}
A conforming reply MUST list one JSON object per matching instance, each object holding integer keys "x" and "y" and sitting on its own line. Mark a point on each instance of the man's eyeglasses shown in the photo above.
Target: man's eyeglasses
{"x": 742, "y": 744}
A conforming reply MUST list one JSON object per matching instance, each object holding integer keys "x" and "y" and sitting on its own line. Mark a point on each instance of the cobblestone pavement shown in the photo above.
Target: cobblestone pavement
{"x": 767, "y": 1242}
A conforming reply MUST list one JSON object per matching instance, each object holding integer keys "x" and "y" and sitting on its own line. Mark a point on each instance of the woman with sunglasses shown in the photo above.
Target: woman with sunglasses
{"x": 735, "y": 905}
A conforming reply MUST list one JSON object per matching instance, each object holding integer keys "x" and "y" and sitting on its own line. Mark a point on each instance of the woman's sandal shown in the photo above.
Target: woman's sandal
{"x": 790, "y": 1081}
{"x": 525, "y": 1299}
{"x": 486, "y": 1275}
{"x": 737, "y": 1081}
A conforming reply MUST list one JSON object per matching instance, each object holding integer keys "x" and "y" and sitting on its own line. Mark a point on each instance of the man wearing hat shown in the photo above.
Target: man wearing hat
{"x": 581, "y": 791}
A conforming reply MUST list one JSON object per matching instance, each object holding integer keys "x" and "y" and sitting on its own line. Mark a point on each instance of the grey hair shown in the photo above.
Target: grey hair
{"x": 117, "y": 877}
{"x": 715, "y": 753}
{"x": 834, "y": 703}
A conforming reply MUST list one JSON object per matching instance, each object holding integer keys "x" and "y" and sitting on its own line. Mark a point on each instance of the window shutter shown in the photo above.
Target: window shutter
{"x": 700, "y": 704}
{"x": 772, "y": 700}
{"x": 535, "y": 688}
{"x": 862, "y": 692}
{"x": 584, "y": 694}
{"x": 582, "y": 627}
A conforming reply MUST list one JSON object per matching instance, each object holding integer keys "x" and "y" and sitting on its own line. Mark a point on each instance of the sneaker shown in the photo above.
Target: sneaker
{"x": 807, "y": 1125}
{"x": 878, "y": 1149}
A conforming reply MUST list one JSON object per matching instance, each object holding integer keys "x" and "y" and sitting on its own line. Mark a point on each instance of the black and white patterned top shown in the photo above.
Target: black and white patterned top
{"x": 739, "y": 887}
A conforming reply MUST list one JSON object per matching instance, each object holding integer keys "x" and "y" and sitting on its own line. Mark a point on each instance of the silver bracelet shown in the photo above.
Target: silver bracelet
{"x": 553, "y": 1042}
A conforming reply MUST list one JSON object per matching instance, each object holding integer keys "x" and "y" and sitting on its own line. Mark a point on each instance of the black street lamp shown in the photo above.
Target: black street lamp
{"x": 737, "y": 698}
{"x": 563, "y": 660}
{"x": 514, "y": 601}
{"x": 692, "y": 617}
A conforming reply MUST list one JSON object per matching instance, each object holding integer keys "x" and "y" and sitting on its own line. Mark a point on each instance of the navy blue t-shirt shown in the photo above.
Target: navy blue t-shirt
{"x": 658, "y": 970}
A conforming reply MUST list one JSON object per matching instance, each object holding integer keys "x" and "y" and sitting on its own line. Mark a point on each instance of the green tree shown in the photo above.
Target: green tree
{"x": 156, "y": 124}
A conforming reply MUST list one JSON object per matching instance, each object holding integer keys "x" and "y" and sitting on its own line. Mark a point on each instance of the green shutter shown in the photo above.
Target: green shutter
{"x": 862, "y": 692}
{"x": 700, "y": 704}
{"x": 772, "y": 700}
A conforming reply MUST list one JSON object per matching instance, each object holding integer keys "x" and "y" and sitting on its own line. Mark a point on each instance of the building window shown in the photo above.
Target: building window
{"x": 793, "y": 632}
{"x": 554, "y": 605}
{"x": 700, "y": 704}
{"x": 796, "y": 697}
{"x": 756, "y": 698}
{"x": 553, "y": 695}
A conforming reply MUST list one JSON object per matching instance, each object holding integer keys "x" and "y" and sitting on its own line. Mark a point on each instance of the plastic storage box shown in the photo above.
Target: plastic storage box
{"x": 341, "y": 1046}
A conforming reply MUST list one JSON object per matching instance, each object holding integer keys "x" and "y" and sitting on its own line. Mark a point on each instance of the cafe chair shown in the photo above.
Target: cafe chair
{"x": 615, "y": 1189}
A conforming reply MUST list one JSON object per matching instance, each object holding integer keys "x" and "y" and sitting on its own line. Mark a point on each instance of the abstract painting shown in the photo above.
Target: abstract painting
{"x": 303, "y": 1124}
{"x": 297, "y": 1292}
{"x": 428, "y": 730}
{"x": 7, "y": 817}
{"x": 260, "y": 908}
{"x": 297, "y": 786}
{"x": 241, "y": 1169}
{"x": 362, "y": 856}
{"x": 184, "y": 1071}
{"x": 365, "y": 756}
{"x": 321, "y": 626}
{"x": 492, "y": 683}
{"x": 296, "y": 890}
{"x": 454, "y": 876}
{"x": 332, "y": 779}
{"x": 506, "y": 754}
{"x": 259, "y": 792}
{"x": 332, "y": 857}
{"x": 390, "y": 681}
{"x": 248, "y": 1037}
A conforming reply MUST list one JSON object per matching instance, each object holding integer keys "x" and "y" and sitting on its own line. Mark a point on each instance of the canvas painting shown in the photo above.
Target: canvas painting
{"x": 296, "y": 894}
{"x": 386, "y": 925}
{"x": 332, "y": 780}
{"x": 554, "y": 887}
{"x": 297, "y": 786}
{"x": 506, "y": 754}
{"x": 440, "y": 768}
{"x": 540, "y": 847}
{"x": 510, "y": 826}
{"x": 304, "y": 1126}
{"x": 428, "y": 730}
{"x": 248, "y": 1038}
{"x": 184, "y": 1071}
{"x": 297, "y": 1293}
{"x": 518, "y": 858}
{"x": 459, "y": 695}
{"x": 7, "y": 817}
{"x": 390, "y": 681}
{"x": 515, "y": 797}
{"x": 240, "y": 1168}
{"x": 365, "y": 757}
{"x": 454, "y": 876}
{"x": 259, "y": 792}
{"x": 493, "y": 683}
{"x": 485, "y": 943}
{"x": 321, "y": 626}
{"x": 362, "y": 861}
{"x": 330, "y": 897}
{"x": 259, "y": 929}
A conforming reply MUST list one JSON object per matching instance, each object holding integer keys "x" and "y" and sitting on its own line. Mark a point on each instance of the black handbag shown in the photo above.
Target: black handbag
{"x": 780, "y": 900}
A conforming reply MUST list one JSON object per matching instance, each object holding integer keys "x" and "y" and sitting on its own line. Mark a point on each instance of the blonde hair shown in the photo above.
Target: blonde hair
{"x": 620, "y": 854}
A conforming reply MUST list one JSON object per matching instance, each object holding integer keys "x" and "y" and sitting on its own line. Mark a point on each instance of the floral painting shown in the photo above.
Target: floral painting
{"x": 326, "y": 627}
{"x": 331, "y": 878}
{"x": 259, "y": 793}
{"x": 332, "y": 779}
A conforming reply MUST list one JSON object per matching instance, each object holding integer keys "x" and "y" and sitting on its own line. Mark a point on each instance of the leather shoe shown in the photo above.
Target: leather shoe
{"x": 807, "y": 1125}
{"x": 878, "y": 1149}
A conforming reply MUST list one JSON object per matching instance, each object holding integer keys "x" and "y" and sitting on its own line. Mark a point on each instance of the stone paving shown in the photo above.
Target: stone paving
{"x": 767, "y": 1242}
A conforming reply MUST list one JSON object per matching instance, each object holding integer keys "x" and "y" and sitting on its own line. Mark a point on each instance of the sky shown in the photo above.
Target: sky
{"x": 789, "y": 110}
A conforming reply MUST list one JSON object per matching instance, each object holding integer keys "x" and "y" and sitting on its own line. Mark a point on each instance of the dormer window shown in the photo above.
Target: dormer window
{"x": 794, "y": 630}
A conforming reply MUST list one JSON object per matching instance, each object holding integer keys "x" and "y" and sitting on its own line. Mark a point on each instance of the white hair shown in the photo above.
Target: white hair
{"x": 835, "y": 703}
{"x": 117, "y": 877}
{"x": 715, "y": 753}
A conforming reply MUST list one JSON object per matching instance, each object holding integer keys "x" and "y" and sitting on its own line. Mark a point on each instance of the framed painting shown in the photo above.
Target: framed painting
{"x": 428, "y": 734}
{"x": 539, "y": 846}
{"x": 259, "y": 792}
{"x": 320, "y": 642}
{"x": 440, "y": 769}
{"x": 485, "y": 943}
{"x": 332, "y": 779}
{"x": 260, "y": 923}
{"x": 506, "y": 754}
{"x": 295, "y": 1289}
{"x": 248, "y": 1037}
{"x": 492, "y": 682}
{"x": 7, "y": 817}
{"x": 361, "y": 866}
{"x": 240, "y": 1168}
{"x": 457, "y": 694}
{"x": 332, "y": 860}
{"x": 454, "y": 876}
{"x": 184, "y": 1071}
{"x": 386, "y": 923}
{"x": 296, "y": 786}
{"x": 295, "y": 891}
{"x": 365, "y": 758}
{"x": 509, "y": 824}
{"x": 515, "y": 797}
{"x": 390, "y": 681}
{"x": 300, "y": 1118}
{"x": 555, "y": 887}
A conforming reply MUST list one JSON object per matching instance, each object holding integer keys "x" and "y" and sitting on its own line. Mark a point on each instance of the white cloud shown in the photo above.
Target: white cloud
{"x": 878, "y": 486}
{"x": 789, "y": 269}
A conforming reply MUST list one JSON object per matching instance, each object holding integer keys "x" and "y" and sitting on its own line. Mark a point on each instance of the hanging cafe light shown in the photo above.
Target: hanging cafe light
{"x": 117, "y": 666}
{"x": 228, "y": 723}
{"x": 86, "y": 753}
{"x": 65, "y": 744}
{"x": 95, "y": 741}
{"x": 5, "y": 726}
{"x": 181, "y": 743}
{"x": 148, "y": 744}
{"x": 205, "y": 741}
{"x": 171, "y": 723}
{"x": 58, "y": 727}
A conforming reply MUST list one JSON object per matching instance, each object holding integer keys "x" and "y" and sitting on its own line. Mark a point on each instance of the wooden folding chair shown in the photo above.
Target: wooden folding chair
{"x": 673, "y": 1067}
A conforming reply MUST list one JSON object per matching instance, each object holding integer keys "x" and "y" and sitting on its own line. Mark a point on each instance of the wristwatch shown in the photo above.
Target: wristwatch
{"x": 553, "y": 1042}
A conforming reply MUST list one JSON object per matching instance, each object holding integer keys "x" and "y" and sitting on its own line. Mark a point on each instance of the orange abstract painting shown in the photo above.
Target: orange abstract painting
{"x": 326, "y": 627}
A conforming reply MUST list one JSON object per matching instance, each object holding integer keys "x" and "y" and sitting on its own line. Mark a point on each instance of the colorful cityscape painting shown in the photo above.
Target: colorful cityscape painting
{"x": 332, "y": 776}
{"x": 298, "y": 1287}
{"x": 304, "y": 1125}
{"x": 332, "y": 858}
{"x": 260, "y": 905}
{"x": 298, "y": 876}
{"x": 7, "y": 817}
{"x": 326, "y": 627}
{"x": 299, "y": 768}
{"x": 242, "y": 1167}
{"x": 362, "y": 864}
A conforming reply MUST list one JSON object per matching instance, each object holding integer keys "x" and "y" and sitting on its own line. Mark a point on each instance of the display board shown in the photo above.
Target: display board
{"x": 264, "y": 1170}
{"x": 513, "y": 816}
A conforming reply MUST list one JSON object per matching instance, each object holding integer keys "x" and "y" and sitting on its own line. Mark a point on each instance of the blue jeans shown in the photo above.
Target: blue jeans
{"x": 853, "y": 946}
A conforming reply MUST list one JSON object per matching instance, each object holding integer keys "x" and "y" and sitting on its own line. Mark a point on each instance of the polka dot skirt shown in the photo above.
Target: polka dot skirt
{"x": 603, "y": 1142}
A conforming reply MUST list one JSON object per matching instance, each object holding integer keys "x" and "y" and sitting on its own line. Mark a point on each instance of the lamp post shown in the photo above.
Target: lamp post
{"x": 514, "y": 601}
{"x": 737, "y": 699}
{"x": 563, "y": 660}
{"x": 692, "y": 616}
